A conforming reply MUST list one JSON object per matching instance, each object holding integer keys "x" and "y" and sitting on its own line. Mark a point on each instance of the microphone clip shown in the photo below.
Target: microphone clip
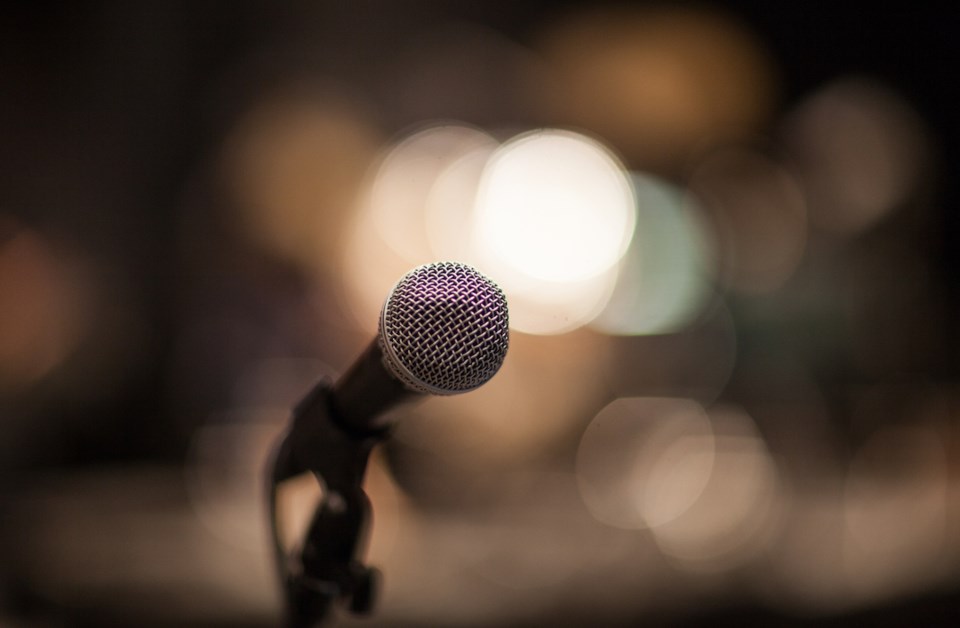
{"x": 327, "y": 569}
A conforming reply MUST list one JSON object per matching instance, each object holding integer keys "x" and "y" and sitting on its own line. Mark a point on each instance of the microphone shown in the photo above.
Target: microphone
{"x": 443, "y": 330}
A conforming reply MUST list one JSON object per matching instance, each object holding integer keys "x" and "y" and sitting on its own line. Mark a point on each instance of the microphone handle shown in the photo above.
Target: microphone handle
{"x": 367, "y": 390}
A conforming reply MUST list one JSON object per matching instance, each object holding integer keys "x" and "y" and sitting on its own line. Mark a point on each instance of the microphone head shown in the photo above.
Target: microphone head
{"x": 444, "y": 329}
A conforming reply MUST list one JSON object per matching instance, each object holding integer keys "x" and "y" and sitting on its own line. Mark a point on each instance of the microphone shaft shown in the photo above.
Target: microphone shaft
{"x": 365, "y": 392}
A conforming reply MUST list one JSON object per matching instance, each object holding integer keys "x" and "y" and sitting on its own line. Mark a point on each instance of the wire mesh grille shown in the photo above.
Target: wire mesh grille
{"x": 444, "y": 329}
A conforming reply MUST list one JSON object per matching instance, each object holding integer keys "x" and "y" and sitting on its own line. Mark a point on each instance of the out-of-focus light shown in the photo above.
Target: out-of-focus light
{"x": 405, "y": 178}
{"x": 659, "y": 83}
{"x": 293, "y": 166}
{"x": 859, "y": 149}
{"x": 547, "y": 216}
{"x": 807, "y": 570}
{"x": 663, "y": 282}
{"x": 554, "y": 206}
{"x": 394, "y": 220}
{"x": 44, "y": 306}
{"x": 450, "y": 206}
{"x": 896, "y": 513}
{"x": 759, "y": 214}
{"x": 705, "y": 485}
{"x": 548, "y": 308}
{"x": 883, "y": 530}
{"x": 735, "y": 513}
{"x": 644, "y": 461}
{"x": 554, "y": 215}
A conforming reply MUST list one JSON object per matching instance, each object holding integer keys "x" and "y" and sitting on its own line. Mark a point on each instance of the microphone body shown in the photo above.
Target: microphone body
{"x": 443, "y": 330}
{"x": 366, "y": 391}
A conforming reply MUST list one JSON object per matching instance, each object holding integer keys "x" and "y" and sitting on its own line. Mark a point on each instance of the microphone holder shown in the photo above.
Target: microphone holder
{"x": 328, "y": 568}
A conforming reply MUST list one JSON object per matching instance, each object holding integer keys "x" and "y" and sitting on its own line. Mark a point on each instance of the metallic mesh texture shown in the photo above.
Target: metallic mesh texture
{"x": 444, "y": 329}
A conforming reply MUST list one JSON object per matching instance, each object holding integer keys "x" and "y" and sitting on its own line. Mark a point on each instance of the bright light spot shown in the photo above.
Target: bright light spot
{"x": 398, "y": 197}
{"x": 663, "y": 283}
{"x": 546, "y": 308}
{"x": 548, "y": 217}
{"x": 643, "y": 462}
{"x": 389, "y": 233}
{"x": 536, "y": 306}
{"x": 554, "y": 206}
{"x": 450, "y": 206}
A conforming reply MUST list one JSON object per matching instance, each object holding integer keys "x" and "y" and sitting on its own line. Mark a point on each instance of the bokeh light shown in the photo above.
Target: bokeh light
{"x": 553, "y": 217}
{"x": 642, "y": 462}
{"x": 732, "y": 395}
{"x": 758, "y": 214}
{"x": 450, "y": 206}
{"x": 553, "y": 206}
{"x": 738, "y": 510}
{"x": 389, "y": 232}
{"x": 665, "y": 278}
{"x": 704, "y": 484}
{"x": 898, "y": 470}
{"x": 661, "y": 83}
{"x": 548, "y": 215}
{"x": 859, "y": 149}
{"x": 294, "y": 164}
{"x": 45, "y": 306}
{"x": 405, "y": 178}
{"x": 807, "y": 571}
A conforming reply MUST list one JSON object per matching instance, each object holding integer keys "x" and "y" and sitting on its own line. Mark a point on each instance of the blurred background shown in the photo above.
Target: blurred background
{"x": 728, "y": 233}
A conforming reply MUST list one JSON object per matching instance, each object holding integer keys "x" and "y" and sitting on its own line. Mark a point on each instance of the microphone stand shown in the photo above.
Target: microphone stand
{"x": 328, "y": 568}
